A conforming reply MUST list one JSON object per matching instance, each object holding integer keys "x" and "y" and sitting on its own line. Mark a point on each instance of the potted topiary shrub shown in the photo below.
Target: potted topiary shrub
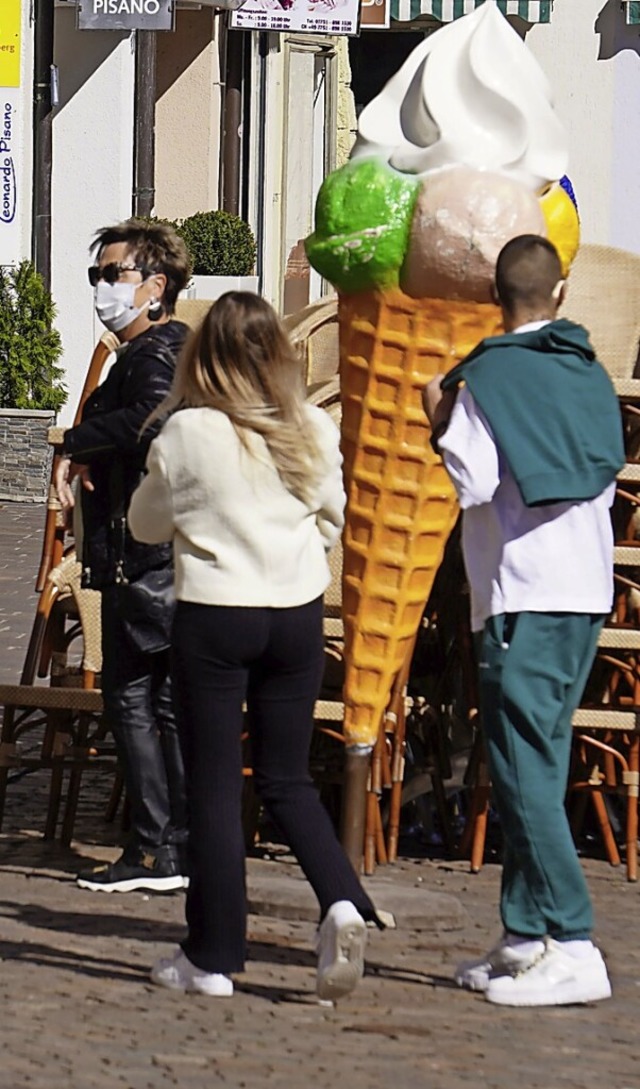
{"x": 222, "y": 248}
{"x": 31, "y": 387}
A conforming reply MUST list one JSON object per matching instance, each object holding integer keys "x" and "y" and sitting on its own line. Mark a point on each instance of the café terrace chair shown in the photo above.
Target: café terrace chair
{"x": 57, "y": 724}
{"x": 387, "y": 791}
{"x": 53, "y": 717}
{"x": 69, "y": 706}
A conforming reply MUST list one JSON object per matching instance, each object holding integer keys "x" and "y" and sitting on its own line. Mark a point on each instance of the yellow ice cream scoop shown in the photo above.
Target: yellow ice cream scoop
{"x": 563, "y": 224}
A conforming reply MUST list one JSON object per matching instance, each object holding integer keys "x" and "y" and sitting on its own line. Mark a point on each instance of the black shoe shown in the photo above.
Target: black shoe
{"x": 155, "y": 871}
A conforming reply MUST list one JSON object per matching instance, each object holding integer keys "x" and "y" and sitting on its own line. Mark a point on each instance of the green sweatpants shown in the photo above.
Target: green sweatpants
{"x": 532, "y": 670}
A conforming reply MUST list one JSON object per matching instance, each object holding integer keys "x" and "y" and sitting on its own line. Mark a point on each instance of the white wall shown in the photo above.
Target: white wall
{"x": 188, "y": 116}
{"x": 592, "y": 61}
{"x": 92, "y": 175}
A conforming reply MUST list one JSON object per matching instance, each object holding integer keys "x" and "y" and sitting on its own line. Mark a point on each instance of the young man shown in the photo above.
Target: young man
{"x": 529, "y": 430}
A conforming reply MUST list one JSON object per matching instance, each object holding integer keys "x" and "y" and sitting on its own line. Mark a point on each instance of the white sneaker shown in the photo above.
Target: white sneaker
{"x": 179, "y": 974}
{"x": 505, "y": 958}
{"x": 340, "y": 946}
{"x": 554, "y": 979}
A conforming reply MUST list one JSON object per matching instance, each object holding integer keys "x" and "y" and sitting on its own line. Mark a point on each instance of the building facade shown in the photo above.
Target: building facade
{"x": 298, "y": 97}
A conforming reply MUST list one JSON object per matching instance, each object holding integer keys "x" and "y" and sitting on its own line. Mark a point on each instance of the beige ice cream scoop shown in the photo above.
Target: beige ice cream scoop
{"x": 462, "y": 219}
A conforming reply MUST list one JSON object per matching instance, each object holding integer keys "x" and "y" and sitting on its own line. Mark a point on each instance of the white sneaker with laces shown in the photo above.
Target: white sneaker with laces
{"x": 179, "y": 974}
{"x": 554, "y": 979}
{"x": 342, "y": 937}
{"x": 507, "y": 957}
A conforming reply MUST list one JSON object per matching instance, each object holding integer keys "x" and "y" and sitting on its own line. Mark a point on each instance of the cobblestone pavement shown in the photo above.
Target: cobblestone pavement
{"x": 78, "y": 1010}
{"x": 21, "y": 526}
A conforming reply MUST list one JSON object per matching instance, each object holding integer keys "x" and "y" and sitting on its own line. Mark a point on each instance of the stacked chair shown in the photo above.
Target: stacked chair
{"x": 607, "y": 725}
{"x": 57, "y": 725}
{"x": 52, "y": 719}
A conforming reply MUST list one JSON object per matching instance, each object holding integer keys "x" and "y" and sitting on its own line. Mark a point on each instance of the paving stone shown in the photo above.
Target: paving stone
{"x": 414, "y": 907}
{"x": 78, "y": 1009}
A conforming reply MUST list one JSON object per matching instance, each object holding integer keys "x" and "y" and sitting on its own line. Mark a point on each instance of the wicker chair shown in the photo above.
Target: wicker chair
{"x": 315, "y": 330}
{"x": 602, "y": 295}
{"x": 65, "y": 713}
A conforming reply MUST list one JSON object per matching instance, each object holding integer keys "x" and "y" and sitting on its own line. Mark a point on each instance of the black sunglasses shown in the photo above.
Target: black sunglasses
{"x": 112, "y": 272}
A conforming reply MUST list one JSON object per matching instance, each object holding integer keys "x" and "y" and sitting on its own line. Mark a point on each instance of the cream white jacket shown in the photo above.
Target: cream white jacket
{"x": 239, "y": 537}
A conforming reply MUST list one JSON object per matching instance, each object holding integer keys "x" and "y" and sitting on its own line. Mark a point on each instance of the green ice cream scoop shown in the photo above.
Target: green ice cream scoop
{"x": 363, "y": 219}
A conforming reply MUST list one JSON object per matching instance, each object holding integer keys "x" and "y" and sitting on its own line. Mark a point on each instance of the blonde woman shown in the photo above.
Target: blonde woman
{"x": 245, "y": 479}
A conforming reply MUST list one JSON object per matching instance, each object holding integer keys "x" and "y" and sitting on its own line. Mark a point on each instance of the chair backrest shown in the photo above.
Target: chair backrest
{"x": 315, "y": 330}
{"x": 327, "y": 395}
{"x": 604, "y": 296}
{"x": 66, "y": 576}
{"x": 192, "y": 311}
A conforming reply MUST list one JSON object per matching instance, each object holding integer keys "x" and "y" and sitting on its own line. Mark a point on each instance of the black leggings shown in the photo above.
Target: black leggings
{"x": 273, "y": 658}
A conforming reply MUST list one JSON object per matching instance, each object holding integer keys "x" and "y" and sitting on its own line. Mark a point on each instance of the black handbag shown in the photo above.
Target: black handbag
{"x": 145, "y": 608}
{"x": 146, "y": 604}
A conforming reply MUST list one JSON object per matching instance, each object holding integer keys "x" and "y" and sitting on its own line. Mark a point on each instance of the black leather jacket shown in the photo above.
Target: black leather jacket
{"x": 108, "y": 440}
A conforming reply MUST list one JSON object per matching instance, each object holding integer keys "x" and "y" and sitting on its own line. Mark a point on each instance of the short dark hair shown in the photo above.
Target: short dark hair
{"x": 527, "y": 271}
{"x": 155, "y": 245}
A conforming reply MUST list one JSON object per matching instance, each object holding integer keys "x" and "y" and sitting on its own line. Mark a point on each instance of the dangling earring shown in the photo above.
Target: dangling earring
{"x": 155, "y": 311}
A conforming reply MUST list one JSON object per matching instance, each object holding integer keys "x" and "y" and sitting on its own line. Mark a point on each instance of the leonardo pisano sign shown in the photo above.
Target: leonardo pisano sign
{"x": 125, "y": 14}
{"x": 11, "y": 134}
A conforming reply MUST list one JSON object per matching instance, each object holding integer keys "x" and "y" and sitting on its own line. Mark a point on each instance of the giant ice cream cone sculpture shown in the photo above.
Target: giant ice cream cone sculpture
{"x": 458, "y": 154}
{"x": 401, "y": 504}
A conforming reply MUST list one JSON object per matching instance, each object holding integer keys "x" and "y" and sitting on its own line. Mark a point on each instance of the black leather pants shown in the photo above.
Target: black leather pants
{"x": 136, "y": 689}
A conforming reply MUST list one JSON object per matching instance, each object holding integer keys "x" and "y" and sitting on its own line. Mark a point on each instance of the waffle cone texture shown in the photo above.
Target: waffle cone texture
{"x": 401, "y": 505}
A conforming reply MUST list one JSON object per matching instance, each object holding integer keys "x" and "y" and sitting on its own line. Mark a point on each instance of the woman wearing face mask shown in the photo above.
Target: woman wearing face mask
{"x": 139, "y": 270}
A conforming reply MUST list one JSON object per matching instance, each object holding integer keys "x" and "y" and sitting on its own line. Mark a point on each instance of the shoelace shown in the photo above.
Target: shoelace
{"x": 538, "y": 958}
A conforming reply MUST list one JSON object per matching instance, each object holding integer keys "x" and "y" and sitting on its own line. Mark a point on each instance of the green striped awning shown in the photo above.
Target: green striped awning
{"x": 633, "y": 11}
{"x": 535, "y": 11}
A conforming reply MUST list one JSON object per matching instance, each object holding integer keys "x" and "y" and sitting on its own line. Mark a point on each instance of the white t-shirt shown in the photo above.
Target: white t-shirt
{"x": 555, "y": 558}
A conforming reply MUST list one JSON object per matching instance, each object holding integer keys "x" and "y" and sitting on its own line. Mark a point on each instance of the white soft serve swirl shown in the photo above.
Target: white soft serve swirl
{"x": 472, "y": 94}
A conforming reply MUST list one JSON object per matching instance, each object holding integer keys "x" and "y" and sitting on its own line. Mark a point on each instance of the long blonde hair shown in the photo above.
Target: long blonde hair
{"x": 242, "y": 363}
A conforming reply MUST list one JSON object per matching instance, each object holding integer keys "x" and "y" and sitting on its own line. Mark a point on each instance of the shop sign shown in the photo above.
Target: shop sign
{"x": 10, "y": 20}
{"x": 375, "y": 14}
{"x": 126, "y": 14}
{"x": 309, "y": 16}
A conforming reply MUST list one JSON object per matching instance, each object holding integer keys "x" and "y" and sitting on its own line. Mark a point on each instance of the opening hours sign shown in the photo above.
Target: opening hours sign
{"x": 310, "y": 16}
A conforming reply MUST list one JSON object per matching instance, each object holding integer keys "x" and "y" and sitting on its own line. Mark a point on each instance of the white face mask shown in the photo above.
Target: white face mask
{"x": 115, "y": 305}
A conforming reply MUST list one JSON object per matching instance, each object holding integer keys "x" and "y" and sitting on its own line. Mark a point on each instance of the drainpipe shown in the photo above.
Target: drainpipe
{"x": 144, "y": 191}
{"x": 42, "y": 137}
{"x": 232, "y": 119}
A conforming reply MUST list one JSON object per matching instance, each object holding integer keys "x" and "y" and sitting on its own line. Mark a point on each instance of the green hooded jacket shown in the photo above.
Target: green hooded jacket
{"x": 552, "y": 410}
